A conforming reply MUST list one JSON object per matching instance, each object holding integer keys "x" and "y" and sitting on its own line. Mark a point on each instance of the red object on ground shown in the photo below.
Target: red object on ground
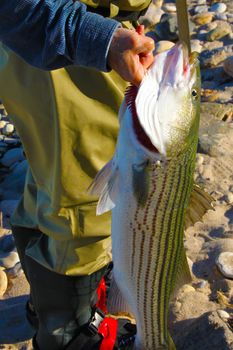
{"x": 108, "y": 330}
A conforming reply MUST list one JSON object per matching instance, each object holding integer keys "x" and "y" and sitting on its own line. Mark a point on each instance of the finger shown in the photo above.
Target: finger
{"x": 145, "y": 45}
{"x": 146, "y": 60}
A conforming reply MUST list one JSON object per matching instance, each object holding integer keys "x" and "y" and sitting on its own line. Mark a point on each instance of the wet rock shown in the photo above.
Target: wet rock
{"x": 163, "y": 45}
{"x": 228, "y": 66}
{"x": 208, "y": 332}
{"x": 12, "y": 156}
{"x": 3, "y": 282}
{"x": 203, "y": 18}
{"x": 225, "y": 264}
{"x": 219, "y": 7}
{"x": 8, "y": 260}
{"x": 219, "y": 32}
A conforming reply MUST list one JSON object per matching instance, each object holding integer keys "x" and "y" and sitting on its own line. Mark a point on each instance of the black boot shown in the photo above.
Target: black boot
{"x": 63, "y": 304}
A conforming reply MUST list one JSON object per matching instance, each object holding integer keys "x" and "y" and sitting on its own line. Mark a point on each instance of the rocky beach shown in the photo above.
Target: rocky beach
{"x": 201, "y": 314}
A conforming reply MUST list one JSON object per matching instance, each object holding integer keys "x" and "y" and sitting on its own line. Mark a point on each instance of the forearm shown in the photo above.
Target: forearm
{"x": 50, "y": 34}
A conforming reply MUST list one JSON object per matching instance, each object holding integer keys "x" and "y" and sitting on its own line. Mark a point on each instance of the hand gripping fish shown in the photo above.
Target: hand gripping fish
{"x": 148, "y": 185}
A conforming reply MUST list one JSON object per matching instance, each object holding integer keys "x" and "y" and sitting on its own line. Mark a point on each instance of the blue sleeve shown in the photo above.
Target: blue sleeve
{"x": 50, "y": 34}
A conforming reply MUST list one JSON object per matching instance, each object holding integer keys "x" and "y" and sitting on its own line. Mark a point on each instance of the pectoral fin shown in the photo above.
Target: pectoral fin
{"x": 200, "y": 203}
{"x": 105, "y": 185}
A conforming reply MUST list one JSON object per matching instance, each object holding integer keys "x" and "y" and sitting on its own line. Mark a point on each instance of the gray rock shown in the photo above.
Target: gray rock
{"x": 167, "y": 29}
{"x": 201, "y": 9}
{"x": 228, "y": 66}
{"x": 225, "y": 264}
{"x": 207, "y": 332}
{"x": 15, "y": 271}
{"x": 12, "y": 156}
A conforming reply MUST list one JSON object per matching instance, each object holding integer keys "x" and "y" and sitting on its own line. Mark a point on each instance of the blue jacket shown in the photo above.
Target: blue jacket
{"x": 50, "y": 34}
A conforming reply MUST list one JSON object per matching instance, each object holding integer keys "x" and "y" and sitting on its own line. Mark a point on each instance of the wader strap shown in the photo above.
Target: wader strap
{"x": 183, "y": 23}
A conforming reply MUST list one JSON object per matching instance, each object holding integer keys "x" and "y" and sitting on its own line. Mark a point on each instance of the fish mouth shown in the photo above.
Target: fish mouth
{"x": 176, "y": 66}
{"x": 162, "y": 95}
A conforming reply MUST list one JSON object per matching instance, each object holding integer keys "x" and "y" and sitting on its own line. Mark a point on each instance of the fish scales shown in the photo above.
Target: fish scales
{"x": 147, "y": 185}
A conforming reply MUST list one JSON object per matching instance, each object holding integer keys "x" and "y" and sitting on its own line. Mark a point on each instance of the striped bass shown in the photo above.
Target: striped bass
{"x": 148, "y": 184}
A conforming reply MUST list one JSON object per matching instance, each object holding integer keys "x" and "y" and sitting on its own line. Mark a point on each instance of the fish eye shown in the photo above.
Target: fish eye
{"x": 194, "y": 93}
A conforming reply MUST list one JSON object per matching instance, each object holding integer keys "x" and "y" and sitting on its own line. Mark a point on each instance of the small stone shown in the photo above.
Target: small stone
{"x": 12, "y": 156}
{"x": 230, "y": 198}
{"x": 196, "y": 46}
{"x": 203, "y": 18}
{"x": 201, "y": 9}
{"x": 169, "y": 7}
{"x": 187, "y": 289}
{"x": 202, "y": 284}
{"x": 221, "y": 16}
{"x": 9, "y": 260}
{"x": 219, "y": 32}
{"x": 15, "y": 271}
{"x": 3, "y": 282}
{"x": 225, "y": 264}
{"x": 215, "y": 58}
{"x": 223, "y": 314}
{"x": 8, "y": 129}
{"x": 218, "y": 7}
{"x": 201, "y": 2}
{"x": 2, "y": 124}
{"x": 163, "y": 45}
{"x": 228, "y": 66}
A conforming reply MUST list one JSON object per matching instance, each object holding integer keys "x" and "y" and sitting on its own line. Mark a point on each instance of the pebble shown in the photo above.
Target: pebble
{"x": 225, "y": 264}
{"x": 187, "y": 289}
{"x": 201, "y": 9}
{"x": 203, "y": 18}
{"x": 223, "y": 314}
{"x": 215, "y": 58}
{"x": 221, "y": 16}
{"x": 196, "y": 46}
{"x": 202, "y": 284}
{"x": 228, "y": 66}
{"x": 2, "y": 124}
{"x": 163, "y": 45}
{"x": 219, "y": 32}
{"x": 12, "y": 156}
{"x": 169, "y": 7}
{"x": 218, "y": 7}
{"x": 9, "y": 260}
{"x": 3, "y": 282}
{"x": 8, "y": 129}
{"x": 201, "y": 2}
{"x": 15, "y": 271}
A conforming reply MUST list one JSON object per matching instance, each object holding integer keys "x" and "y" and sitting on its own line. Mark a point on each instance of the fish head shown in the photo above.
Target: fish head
{"x": 168, "y": 101}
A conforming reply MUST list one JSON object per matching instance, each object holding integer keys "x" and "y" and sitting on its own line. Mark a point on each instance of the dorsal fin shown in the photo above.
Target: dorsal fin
{"x": 130, "y": 97}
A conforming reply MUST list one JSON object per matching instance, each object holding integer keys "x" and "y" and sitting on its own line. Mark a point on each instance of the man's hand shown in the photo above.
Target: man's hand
{"x": 130, "y": 54}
